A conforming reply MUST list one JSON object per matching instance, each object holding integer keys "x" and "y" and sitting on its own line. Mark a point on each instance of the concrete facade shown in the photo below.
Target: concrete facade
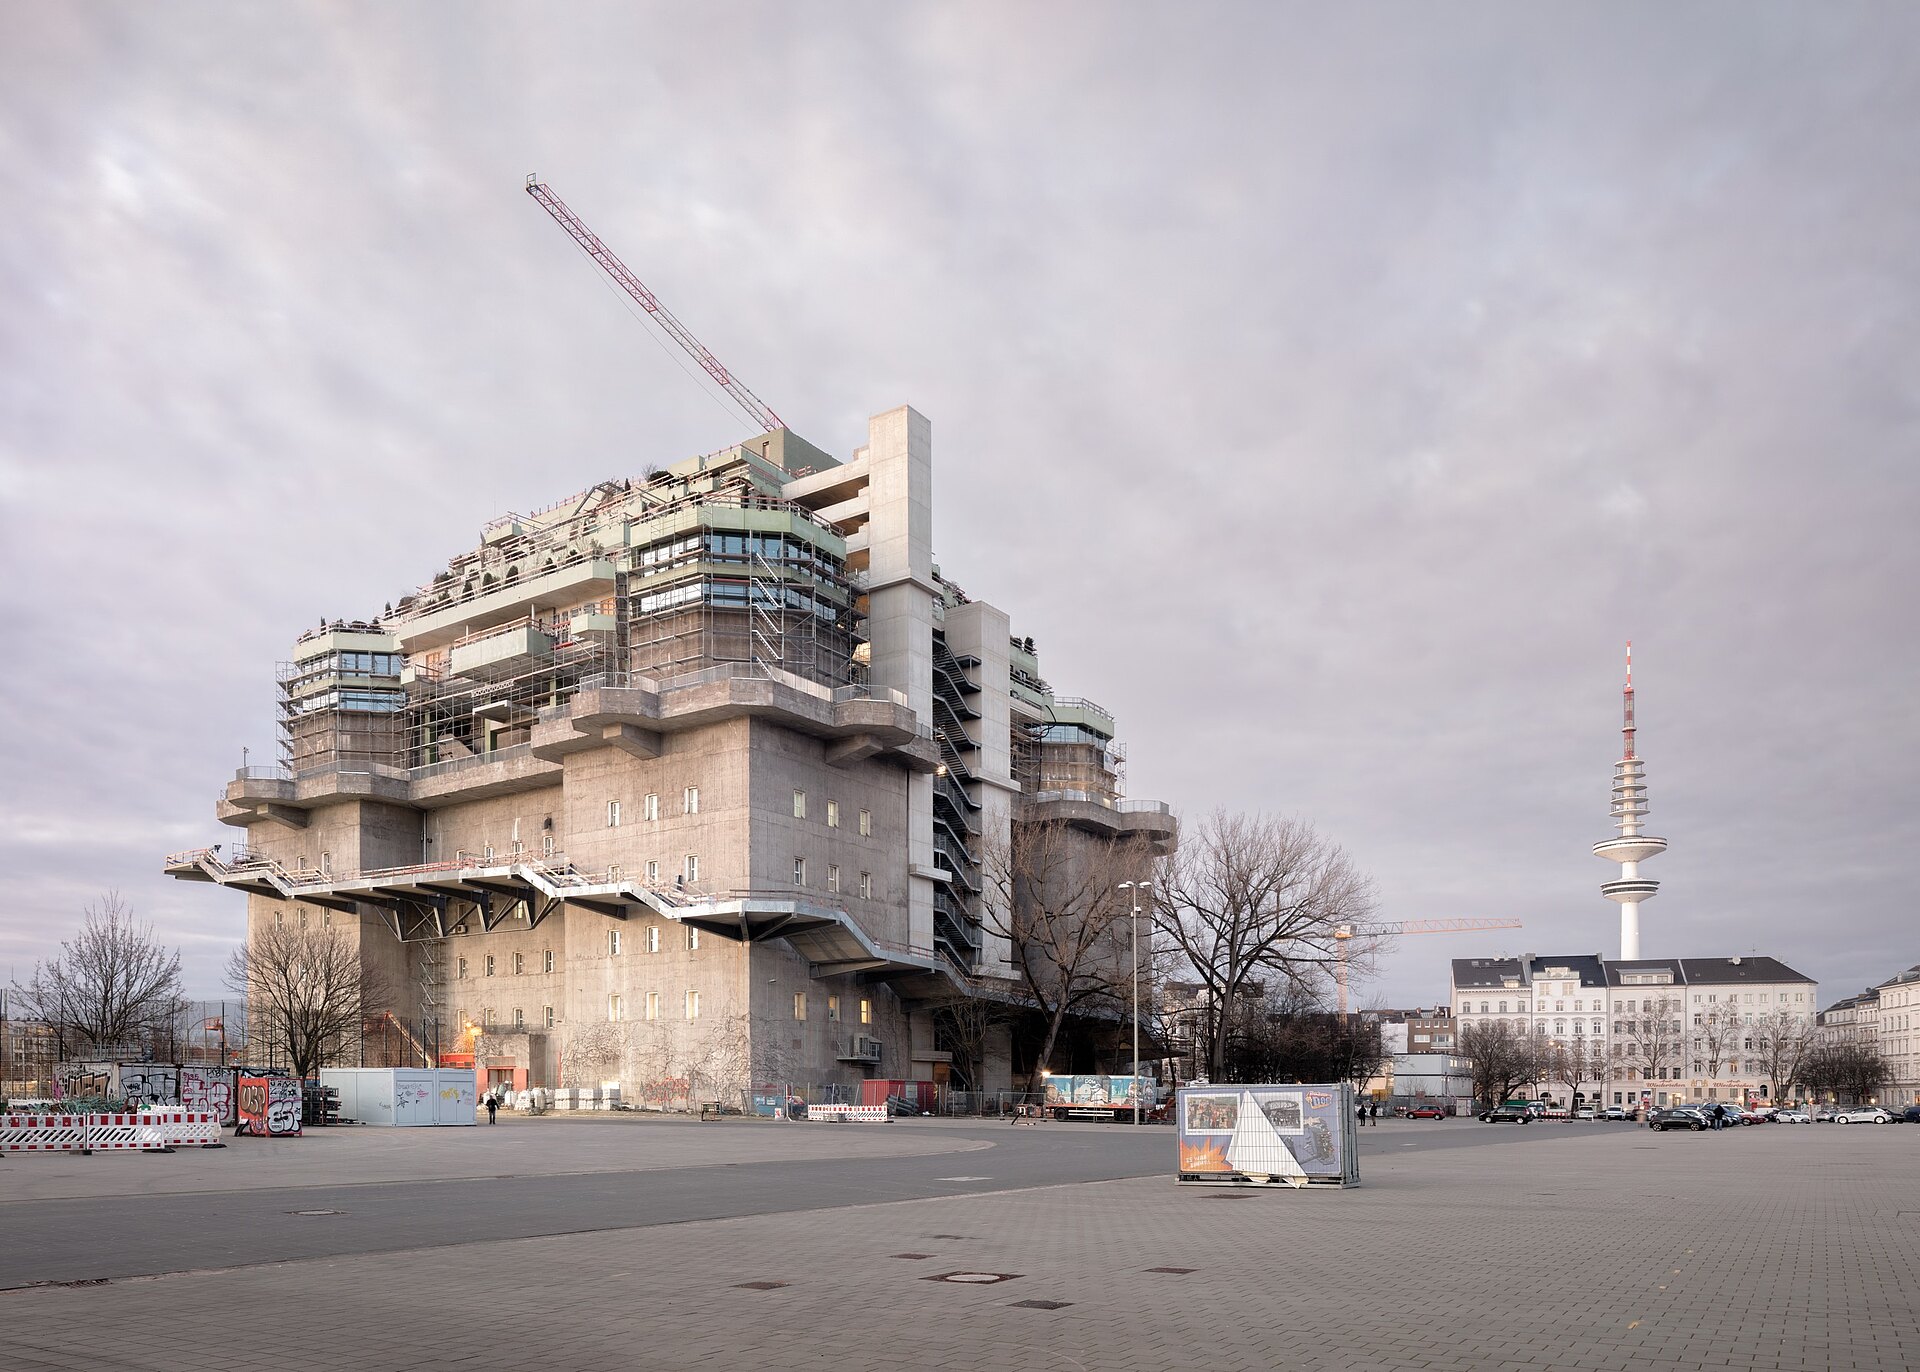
{"x": 683, "y": 782}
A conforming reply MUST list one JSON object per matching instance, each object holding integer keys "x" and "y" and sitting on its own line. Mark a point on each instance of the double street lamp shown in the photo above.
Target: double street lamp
{"x": 1136, "y": 887}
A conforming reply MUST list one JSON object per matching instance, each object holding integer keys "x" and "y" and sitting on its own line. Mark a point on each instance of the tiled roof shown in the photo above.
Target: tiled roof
{"x": 1751, "y": 968}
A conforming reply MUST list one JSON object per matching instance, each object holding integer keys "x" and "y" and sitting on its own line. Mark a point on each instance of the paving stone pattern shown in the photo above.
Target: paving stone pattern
{"x": 1607, "y": 1247}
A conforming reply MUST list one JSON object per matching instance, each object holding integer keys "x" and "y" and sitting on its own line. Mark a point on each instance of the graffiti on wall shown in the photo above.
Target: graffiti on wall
{"x": 666, "y": 1093}
{"x": 269, "y": 1106}
{"x": 148, "y": 1083}
{"x": 85, "y": 1079}
{"x": 209, "y": 1089}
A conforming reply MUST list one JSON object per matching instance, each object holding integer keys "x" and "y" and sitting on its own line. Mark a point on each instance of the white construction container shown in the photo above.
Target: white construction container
{"x": 403, "y": 1096}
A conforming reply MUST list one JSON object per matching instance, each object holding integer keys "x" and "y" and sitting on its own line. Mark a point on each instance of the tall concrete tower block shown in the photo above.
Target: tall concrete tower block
{"x": 1631, "y": 847}
{"x": 900, "y": 617}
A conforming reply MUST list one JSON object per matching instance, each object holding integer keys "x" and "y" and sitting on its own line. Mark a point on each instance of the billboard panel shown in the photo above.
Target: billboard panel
{"x": 1097, "y": 1091}
{"x": 1296, "y": 1134}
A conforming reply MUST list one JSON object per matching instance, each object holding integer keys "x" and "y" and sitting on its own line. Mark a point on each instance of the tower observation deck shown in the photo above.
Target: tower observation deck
{"x": 1631, "y": 847}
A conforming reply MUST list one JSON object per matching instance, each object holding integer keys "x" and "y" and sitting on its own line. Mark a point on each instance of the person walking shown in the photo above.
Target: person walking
{"x": 1360, "y": 1114}
{"x": 493, "y": 1104}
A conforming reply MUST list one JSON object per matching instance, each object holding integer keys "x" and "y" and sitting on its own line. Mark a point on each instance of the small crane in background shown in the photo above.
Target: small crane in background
{"x": 1346, "y": 933}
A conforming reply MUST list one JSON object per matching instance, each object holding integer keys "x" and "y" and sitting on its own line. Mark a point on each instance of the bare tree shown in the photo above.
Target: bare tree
{"x": 1059, "y": 906}
{"x": 1716, "y": 1038}
{"x": 1248, "y": 897}
{"x": 1853, "y": 1070}
{"x": 1781, "y": 1040}
{"x": 1500, "y": 1057}
{"x": 112, "y": 986}
{"x": 308, "y": 993}
{"x": 1589, "y": 1058}
{"x": 966, "y": 1029}
{"x": 1562, "y": 1064}
{"x": 1655, "y": 1041}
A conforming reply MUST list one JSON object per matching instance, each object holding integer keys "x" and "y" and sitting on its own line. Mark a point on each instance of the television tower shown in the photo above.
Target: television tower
{"x": 1632, "y": 847}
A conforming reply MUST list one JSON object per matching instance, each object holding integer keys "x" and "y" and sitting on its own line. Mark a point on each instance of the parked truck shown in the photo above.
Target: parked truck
{"x": 1098, "y": 1097}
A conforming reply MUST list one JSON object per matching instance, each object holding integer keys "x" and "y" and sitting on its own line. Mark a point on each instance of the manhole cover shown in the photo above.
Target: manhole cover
{"x": 1228, "y": 1195}
{"x": 949, "y": 1236}
{"x": 1040, "y": 1305}
{"x": 974, "y": 1278}
{"x": 759, "y": 1285}
{"x": 316, "y": 1212}
{"x": 913, "y": 1257}
{"x": 1174, "y": 1271}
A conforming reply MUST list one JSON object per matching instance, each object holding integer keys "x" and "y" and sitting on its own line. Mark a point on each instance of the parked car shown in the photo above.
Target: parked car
{"x": 1508, "y": 1114}
{"x": 1667, "y": 1117}
{"x": 1911, "y": 1115}
{"x": 1826, "y": 1114}
{"x": 1425, "y": 1112}
{"x": 1792, "y": 1116}
{"x": 1585, "y": 1112}
{"x": 1616, "y": 1112}
{"x": 1864, "y": 1114}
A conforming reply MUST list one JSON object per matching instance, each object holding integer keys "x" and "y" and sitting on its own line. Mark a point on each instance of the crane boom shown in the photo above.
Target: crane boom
{"x": 755, "y": 408}
{"x": 1346, "y": 932}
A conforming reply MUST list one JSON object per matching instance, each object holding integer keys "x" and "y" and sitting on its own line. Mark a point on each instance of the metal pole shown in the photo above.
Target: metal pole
{"x": 1136, "y": 1005}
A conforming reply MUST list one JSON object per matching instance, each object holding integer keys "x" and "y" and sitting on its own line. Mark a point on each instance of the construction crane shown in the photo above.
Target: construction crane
{"x": 1345, "y": 933}
{"x": 590, "y": 243}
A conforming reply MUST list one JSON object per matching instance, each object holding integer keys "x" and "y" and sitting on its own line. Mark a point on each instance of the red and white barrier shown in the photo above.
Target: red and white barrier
{"x": 185, "y": 1128}
{"x": 43, "y": 1133}
{"x": 848, "y": 1114}
{"x": 125, "y": 1133}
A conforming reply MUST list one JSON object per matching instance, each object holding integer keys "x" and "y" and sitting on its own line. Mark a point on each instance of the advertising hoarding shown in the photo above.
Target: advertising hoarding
{"x": 1097, "y": 1094}
{"x": 1298, "y": 1135}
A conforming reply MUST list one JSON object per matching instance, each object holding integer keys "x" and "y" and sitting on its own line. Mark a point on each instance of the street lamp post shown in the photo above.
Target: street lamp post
{"x": 1136, "y": 887}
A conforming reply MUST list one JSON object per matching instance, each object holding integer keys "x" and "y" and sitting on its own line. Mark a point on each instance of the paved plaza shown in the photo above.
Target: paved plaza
{"x": 1468, "y": 1246}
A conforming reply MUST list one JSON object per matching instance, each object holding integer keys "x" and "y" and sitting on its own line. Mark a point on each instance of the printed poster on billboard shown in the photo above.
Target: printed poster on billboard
{"x": 1294, "y": 1134}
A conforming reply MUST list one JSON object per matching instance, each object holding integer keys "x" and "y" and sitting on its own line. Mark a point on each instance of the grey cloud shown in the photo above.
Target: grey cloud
{"x": 1354, "y": 382}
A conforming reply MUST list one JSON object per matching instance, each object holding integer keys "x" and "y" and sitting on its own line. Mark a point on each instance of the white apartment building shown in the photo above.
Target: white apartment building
{"x": 1883, "y": 1017}
{"x": 1655, "y": 1030}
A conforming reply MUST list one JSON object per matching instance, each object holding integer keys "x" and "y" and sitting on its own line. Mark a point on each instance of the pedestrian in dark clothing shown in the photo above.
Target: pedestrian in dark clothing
{"x": 1360, "y": 1114}
{"x": 493, "y": 1104}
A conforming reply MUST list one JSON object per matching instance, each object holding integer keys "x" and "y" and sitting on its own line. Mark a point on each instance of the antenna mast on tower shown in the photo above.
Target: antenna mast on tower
{"x": 1632, "y": 847}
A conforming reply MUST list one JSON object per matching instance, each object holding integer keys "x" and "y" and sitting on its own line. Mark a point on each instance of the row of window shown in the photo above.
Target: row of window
{"x": 690, "y": 1007}
{"x": 650, "y": 807}
{"x": 1560, "y": 1006}
{"x": 519, "y": 1017}
{"x": 519, "y": 964}
{"x": 833, "y": 1007}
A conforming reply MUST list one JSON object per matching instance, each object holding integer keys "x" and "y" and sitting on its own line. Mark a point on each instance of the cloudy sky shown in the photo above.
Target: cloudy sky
{"x": 1329, "y": 393}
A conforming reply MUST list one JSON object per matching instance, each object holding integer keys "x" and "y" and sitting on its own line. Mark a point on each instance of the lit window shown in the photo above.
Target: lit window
{"x": 693, "y": 938}
{"x": 613, "y": 814}
{"x": 799, "y": 1004}
{"x": 690, "y": 800}
{"x": 613, "y": 942}
{"x": 833, "y": 876}
{"x": 833, "y": 814}
{"x": 614, "y": 1009}
{"x": 650, "y": 808}
{"x": 653, "y": 1005}
{"x": 833, "y": 1007}
{"x": 489, "y": 964}
{"x": 866, "y": 886}
{"x": 693, "y": 867}
{"x": 866, "y": 1011}
{"x": 653, "y": 872}
{"x": 546, "y": 845}
{"x": 799, "y": 804}
{"x": 693, "y": 1005}
{"x": 866, "y": 824}
{"x": 799, "y": 871}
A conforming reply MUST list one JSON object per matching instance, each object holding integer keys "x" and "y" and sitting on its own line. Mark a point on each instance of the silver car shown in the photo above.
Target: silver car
{"x": 1865, "y": 1114}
